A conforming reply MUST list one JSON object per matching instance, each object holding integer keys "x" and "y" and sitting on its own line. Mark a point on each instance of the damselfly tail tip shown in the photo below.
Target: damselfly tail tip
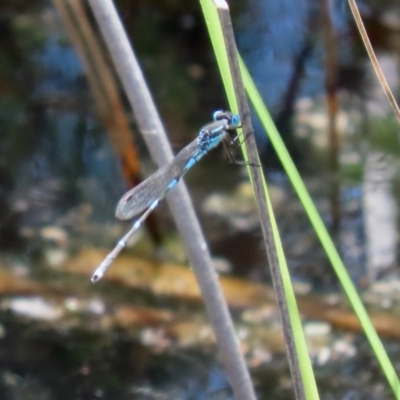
{"x": 96, "y": 277}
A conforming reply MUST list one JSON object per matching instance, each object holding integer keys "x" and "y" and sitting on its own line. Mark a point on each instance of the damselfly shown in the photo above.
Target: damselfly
{"x": 145, "y": 197}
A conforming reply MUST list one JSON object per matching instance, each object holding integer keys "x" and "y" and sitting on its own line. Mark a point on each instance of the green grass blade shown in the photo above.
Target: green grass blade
{"x": 216, "y": 34}
{"x": 321, "y": 231}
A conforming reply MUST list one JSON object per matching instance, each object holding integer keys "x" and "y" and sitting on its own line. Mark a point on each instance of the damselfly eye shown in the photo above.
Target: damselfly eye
{"x": 218, "y": 115}
{"x": 235, "y": 120}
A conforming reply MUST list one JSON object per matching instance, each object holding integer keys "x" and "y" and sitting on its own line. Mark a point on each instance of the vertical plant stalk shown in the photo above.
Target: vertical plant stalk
{"x": 331, "y": 71}
{"x": 262, "y": 206}
{"x": 178, "y": 200}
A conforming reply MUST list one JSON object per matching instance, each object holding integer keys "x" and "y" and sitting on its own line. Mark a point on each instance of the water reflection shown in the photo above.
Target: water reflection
{"x": 146, "y": 335}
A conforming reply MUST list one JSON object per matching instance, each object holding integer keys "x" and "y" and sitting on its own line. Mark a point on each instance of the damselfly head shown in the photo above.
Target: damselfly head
{"x": 233, "y": 120}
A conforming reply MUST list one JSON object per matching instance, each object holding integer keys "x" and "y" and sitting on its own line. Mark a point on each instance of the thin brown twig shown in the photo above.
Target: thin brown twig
{"x": 105, "y": 92}
{"x": 373, "y": 58}
{"x": 332, "y": 102}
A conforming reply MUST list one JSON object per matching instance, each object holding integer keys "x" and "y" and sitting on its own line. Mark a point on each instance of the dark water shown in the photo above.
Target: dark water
{"x": 60, "y": 179}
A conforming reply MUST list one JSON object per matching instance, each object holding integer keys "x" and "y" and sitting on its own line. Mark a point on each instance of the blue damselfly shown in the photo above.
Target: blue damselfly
{"x": 145, "y": 197}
